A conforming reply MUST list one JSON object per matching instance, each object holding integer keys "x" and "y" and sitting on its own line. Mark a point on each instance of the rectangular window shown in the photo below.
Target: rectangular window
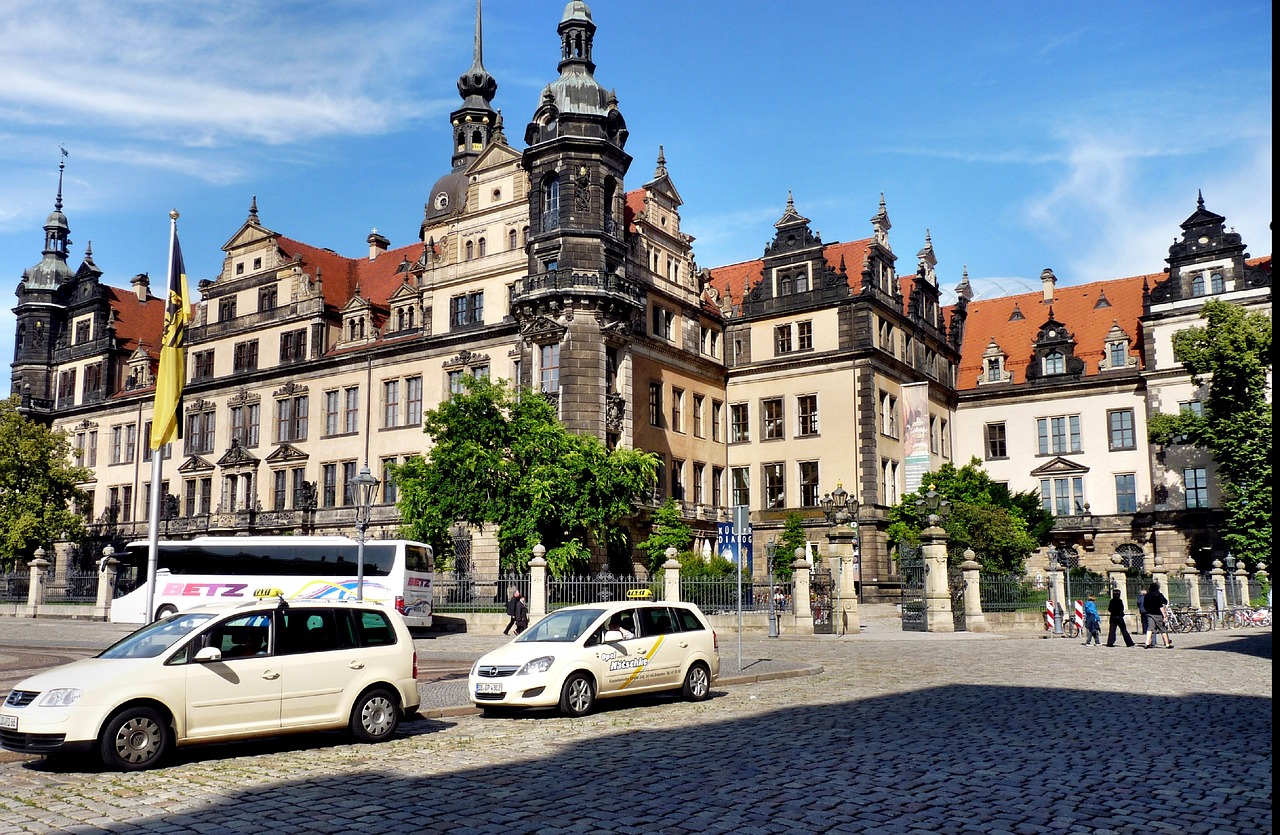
{"x": 677, "y": 409}
{"x": 203, "y": 365}
{"x": 717, "y": 417}
{"x": 413, "y": 401}
{"x": 391, "y": 403}
{"x": 291, "y": 419}
{"x": 549, "y": 368}
{"x": 697, "y": 416}
{"x": 663, "y": 322}
{"x": 741, "y": 486}
{"x": 1058, "y": 435}
{"x": 775, "y": 486}
{"x": 782, "y": 339}
{"x": 1126, "y": 493}
{"x": 1063, "y": 496}
{"x": 455, "y": 382}
{"x": 227, "y": 309}
{"x": 660, "y": 483}
{"x": 245, "y": 357}
{"x": 126, "y": 503}
{"x": 888, "y": 415}
{"x": 280, "y": 490}
{"x": 806, "y": 415}
{"x": 809, "y": 483}
{"x": 351, "y": 410}
{"x": 1120, "y": 429}
{"x": 91, "y": 450}
{"x": 293, "y": 346}
{"x": 655, "y": 404}
{"x": 771, "y": 428}
{"x": 698, "y": 495}
{"x": 1195, "y": 480}
{"x": 739, "y": 423}
{"x": 84, "y": 330}
{"x": 717, "y": 486}
{"x": 804, "y": 336}
{"x": 996, "y": 443}
{"x": 710, "y": 342}
{"x": 349, "y": 487}
{"x": 199, "y": 434}
{"x": 329, "y": 490}
{"x": 677, "y": 479}
{"x": 300, "y": 489}
{"x": 244, "y": 424}
{"x": 331, "y": 412}
{"x": 389, "y": 493}
{"x": 267, "y": 297}
{"x": 466, "y": 310}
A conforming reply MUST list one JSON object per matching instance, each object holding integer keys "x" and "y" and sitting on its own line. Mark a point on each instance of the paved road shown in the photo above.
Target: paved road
{"x": 897, "y": 734}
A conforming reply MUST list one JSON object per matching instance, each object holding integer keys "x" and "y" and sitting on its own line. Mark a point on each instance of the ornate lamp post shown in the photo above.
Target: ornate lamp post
{"x": 935, "y": 508}
{"x": 770, "y": 551}
{"x": 1230, "y": 563}
{"x": 366, "y": 485}
{"x": 841, "y": 509}
{"x": 1055, "y": 577}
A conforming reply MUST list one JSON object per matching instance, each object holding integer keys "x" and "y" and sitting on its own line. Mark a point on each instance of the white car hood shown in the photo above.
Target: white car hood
{"x": 517, "y": 653}
{"x": 87, "y": 674}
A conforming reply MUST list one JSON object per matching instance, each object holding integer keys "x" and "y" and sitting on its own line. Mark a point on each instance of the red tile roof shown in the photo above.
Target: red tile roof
{"x": 732, "y": 281}
{"x": 137, "y": 321}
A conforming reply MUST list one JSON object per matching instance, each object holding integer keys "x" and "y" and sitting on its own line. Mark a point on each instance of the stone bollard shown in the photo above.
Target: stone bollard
{"x": 1160, "y": 577}
{"x": 1219, "y": 578}
{"x": 1115, "y": 575}
{"x": 107, "y": 569}
{"x": 35, "y": 588}
{"x": 1193, "y": 583}
{"x": 538, "y": 583}
{"x": 1261, "y": 577}
{"x": 801, "y": 605}
{"x": 974, "y": 620}
{"x": 1242, "y": 584}
{"x": 937, "y": 591}
{"x": 671, "y": 577}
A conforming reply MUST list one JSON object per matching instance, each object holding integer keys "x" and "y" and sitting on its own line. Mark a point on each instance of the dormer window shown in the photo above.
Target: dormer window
{"x": 1216, "y": 284}
{"x": 1118, "y": 354}
{"x": 1197, "y": 285}
{"x": 1054, "y": 363}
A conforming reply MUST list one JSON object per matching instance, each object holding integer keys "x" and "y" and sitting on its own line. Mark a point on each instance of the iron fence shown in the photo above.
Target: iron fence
{"x": 467, "y": 592}
{"x": 719, "y": 595}
{"x": 75, "y": 587}
{"x": 1011, "y": 593}
{"x": 13, "y": 587}
{"x": 601, "y": 588}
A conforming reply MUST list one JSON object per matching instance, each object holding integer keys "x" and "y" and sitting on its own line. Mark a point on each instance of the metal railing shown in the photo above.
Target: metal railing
{"x": 1011, "y": 593}
{"x": 600, "y": 588}
{"x": 453, "y": 592}
{"x": 719, "y": 595}
{"x": 14, "y": 586}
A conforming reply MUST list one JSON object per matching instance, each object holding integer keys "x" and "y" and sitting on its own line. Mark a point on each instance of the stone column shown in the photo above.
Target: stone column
{"x": 1219, "y": 577}
{"x": 1117, "y": 580}
{"x": 1160, "y": 577}
{"x": 35, "y": 588}
{"x": 1059, "y": 596}
{"x": 107, "y": 567}
{"x": 671, "y": 577}
{"x": 800, "y": 603}
{"x": 842, "y": 550}
{"x": 63, "y": 554}
{"x": 974, "y": 620}
{"x": 1242, "y": 583}
{"x": 538, "y": 583}
{"x": 937, "y": 595}
{"x": 1261, "y": 577}
{"x": 1192, "y": 577}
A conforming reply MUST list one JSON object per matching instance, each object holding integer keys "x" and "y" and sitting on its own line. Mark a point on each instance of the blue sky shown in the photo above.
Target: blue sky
{"x": 1021, "y": 135}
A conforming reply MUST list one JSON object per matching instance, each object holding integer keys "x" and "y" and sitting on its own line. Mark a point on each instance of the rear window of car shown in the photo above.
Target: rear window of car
{"x": 689, "y": 621}
{"x": 314, "y": 630}
{"x": 374, "y": 628}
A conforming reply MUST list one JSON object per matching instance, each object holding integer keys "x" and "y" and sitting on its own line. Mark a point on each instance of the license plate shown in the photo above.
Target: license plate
{"x": 485, "y": 687}
{"x": 9, "y": 723}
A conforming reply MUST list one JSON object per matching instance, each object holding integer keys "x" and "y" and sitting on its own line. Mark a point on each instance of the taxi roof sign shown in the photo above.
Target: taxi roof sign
{"x": 639, "y": 594}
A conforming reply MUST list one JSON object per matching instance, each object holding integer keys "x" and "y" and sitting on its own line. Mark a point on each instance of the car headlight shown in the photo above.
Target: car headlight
{"x": 537, "y": 665}
{"x": 61, "y": 697}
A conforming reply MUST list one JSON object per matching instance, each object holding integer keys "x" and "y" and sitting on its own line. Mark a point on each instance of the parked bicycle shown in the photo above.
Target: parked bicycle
{"x": 1242, "y": 616}
{"x": 1190, "y": 620}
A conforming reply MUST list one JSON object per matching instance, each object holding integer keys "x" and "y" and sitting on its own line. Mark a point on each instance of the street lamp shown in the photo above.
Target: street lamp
{"x": 839, "y": 506}
{"x": 365, "y": 485}
{"x": 934, "y": 506}
{"x": 1230, "y": 562}
{"x": 770, "y": 551}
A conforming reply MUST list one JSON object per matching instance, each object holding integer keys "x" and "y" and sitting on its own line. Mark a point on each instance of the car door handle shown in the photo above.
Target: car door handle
{"x": 271, "y": 675}
{"x": 356, "y": 665}
{"x": 684, "y": 645}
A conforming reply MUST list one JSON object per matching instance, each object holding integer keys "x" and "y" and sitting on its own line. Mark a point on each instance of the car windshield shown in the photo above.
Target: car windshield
{"x": 565, "y": 626}
{"x": 154, "y": 638}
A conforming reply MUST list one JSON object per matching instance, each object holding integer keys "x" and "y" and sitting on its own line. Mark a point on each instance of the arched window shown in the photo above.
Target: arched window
{"x": 551, "y": 202}
{"x": 511, "y": 239}
{"x": 524, "y": 236}
{"x": 1054, "y": 363}
{"x": 1197, "y": 285}
{"x": 470, "y": 250}
{"x": 481, "y": 247}
{"x": 462, "y": 141}
{"x": 476, "y": 140}
{"x": 1216, "y": 284}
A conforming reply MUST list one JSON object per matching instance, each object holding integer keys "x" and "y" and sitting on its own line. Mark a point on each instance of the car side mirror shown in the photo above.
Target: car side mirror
{"x": 208, "y": 654}
{"x": 612, "y": 636}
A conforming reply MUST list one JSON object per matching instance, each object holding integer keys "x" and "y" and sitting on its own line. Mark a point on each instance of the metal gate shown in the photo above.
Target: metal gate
{"x": 915, "y": 617}
{"x": 955, "y": 584}
{"x": 822, "y": 598}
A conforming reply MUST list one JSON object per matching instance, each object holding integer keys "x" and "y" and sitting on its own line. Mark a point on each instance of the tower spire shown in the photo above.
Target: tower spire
{"x": 62, "y": 164}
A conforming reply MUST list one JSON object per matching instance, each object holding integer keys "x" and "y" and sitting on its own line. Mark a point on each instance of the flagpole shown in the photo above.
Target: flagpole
{"x": 157, "y": 464}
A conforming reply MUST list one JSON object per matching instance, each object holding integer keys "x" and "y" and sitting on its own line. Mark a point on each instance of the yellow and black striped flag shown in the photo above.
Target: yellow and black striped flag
{"x": 167, "y": 423}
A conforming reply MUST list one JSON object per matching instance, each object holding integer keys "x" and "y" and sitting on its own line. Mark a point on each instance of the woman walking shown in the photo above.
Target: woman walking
{"x": 1115, "y": 609}
{"x": 1157, "y": 620}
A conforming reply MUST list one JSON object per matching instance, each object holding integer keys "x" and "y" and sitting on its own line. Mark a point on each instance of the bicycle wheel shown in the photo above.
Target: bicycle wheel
{"x": 1072, "y": 629}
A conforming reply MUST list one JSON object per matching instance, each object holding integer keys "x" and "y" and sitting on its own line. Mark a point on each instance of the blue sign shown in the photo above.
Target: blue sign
{"x": 737, "y": 544}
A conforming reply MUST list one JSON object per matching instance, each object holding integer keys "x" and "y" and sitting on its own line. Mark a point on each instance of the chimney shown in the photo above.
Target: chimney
{"x": 1047, "y": 280}
{"x": 142, "y": 286}
{"x": 377, "y": 244}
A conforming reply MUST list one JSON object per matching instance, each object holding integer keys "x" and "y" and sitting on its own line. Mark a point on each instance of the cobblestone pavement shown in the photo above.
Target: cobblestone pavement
{"x": 898, "y": 733}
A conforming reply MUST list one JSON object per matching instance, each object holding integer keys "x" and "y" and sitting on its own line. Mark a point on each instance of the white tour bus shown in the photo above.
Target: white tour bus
{"x": 231, "y": 569}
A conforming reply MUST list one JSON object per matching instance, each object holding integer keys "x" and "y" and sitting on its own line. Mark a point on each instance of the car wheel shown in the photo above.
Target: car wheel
{"x": 577, "y": 695}
{"x": 697, "y": 682}
{"x": 165, "y": 610}
{"x": 134, "y": 739}
{"x": 375, "y": 716}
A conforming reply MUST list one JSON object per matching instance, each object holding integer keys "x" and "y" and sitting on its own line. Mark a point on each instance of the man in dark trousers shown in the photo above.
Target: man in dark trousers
{"x": 1116, "y": 610}
{"x": 522, "y": 614}
{"x": 514, "y": 604}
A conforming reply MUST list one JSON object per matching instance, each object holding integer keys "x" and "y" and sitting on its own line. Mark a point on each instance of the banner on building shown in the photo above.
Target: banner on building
{"x": 915, "y": 440}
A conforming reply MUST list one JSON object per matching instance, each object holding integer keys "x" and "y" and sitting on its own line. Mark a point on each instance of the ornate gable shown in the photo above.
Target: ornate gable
{"x": 237, "y": 456}
{"x": 195, "y": 464}
{"x": 1059, "y": 466}
{"x": 1053, "y": 355}
{"x": 286, "y": 453}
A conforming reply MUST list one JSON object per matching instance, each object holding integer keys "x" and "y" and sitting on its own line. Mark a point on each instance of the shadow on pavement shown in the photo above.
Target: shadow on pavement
{"x": 1256, "y": 644}
{"x": 956, "y": 759}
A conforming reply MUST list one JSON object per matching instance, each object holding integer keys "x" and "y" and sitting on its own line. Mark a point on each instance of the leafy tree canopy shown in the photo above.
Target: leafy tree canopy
{"x": 38, "y": 484}
{"x": 1002, "y": 528}
{"x": 503, "y": 459}
{"x": 668, "y": 531}
{"x": 1232, "y": 353}
{"x": 792, "y": 537}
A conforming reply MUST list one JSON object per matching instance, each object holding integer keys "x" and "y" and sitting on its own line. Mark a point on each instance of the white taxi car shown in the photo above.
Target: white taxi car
{"x": 579, "y": 654}
{"x": 220, "y": 673}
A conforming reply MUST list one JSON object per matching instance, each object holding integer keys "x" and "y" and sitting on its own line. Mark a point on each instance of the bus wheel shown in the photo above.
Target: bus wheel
{"x": 166, "y": 610}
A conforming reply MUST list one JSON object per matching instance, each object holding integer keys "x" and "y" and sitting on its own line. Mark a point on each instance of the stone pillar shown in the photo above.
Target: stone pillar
{"x": 842, "y": 550}
{"x": 1160, "y": 577}
{"x": 1219, "y": 577}
{"x": 1117, "y": 580}
{"x": 974, "y": 620}
{"x": 1192, "y": 578}
{"x": 937, "y": 595}
{"x": 1242, "y": 584}
{"x": 801, "y": 605}
{"x": 1058, "y": 595}
{"x": 671, "y": 577}
{"x": 63, "y": 555}
{"x": 538, "y": 583}
{"x": 107, "y": 567}
{"x": 35, "y": 588}
{"x": 1261, "y": 578}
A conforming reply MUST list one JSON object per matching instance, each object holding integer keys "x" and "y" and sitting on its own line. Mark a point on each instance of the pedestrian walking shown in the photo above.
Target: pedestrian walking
{"x": 1142, "y": 613}
{"x": 1092, "y": 623}
{"x": 1157, "y": 613}
{"x": 1115, "y": 610}
{"x": 511, "y": 611}
{"x": 522, "y": 614}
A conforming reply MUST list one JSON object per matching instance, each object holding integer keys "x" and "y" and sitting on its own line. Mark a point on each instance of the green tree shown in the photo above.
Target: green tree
{"x": 1232, "y": 352}
{"x": 667, "y": 530}
{"x": 792, "y": 537}
{"x": 1002, "y": 528}
{"x": 38, "y": 484}
{"x": 501, "y": 458}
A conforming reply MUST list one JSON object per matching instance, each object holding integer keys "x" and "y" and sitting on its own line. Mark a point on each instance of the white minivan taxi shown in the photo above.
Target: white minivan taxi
{"x": 218, "y": 673}
{"x": 579, "y": 654}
